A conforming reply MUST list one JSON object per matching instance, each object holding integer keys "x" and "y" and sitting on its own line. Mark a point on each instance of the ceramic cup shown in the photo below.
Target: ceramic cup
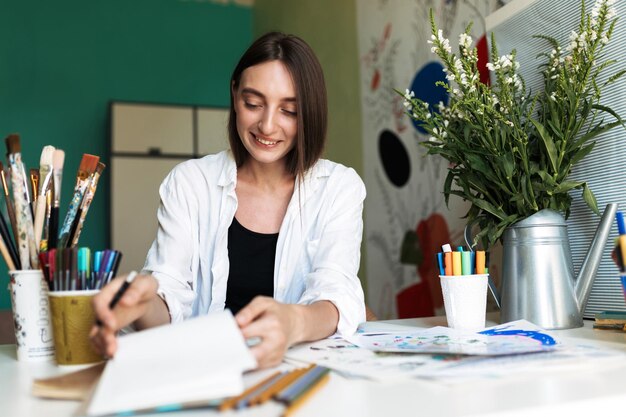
{"x": 72, "y": 319}
{"x": 31, "y": 315}
{"x": 465, "y": 301}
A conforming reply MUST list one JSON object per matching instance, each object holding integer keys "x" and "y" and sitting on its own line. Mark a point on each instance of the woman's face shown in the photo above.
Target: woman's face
{"x": 265, "y": 105}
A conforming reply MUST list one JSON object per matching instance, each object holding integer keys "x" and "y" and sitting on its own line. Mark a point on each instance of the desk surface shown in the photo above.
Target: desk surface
{"x": 544, "y": 394}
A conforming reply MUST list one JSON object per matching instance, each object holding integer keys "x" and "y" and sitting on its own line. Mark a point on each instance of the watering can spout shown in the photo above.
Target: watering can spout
{"x": 587, "y": 273}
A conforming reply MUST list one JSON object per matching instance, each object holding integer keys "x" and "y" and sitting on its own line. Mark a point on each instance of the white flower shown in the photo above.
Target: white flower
{"x": 446, "y": 123}
{"x": 435, "y": 131}
{"x": 465, "y": 40}
{"x": 428, "y": 115}
{"x": 490, "y": 66}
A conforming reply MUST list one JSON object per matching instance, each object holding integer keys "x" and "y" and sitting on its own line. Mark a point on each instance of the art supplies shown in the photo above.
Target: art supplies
{"x": 87, "y": 168}
{"x": 610, "y": 320}
{"x": 34, "y": 221}
{"x": 58, "y": 160}
{"x": 26, "y": 245}
{"x": 72, "y": 269}
{"x": 461, "y": 262}
{"x": 197, "y": 361}
{"x": 45, "y": 171}
{"x": 81, "y": 214}
{"x": 120, "y": 292}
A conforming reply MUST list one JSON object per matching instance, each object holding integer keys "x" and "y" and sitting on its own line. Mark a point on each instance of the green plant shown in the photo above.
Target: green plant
{"x": 511, "y": 152}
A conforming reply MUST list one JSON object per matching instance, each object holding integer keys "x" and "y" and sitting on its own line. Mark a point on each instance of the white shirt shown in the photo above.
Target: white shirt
{"x": 317, "y": 253}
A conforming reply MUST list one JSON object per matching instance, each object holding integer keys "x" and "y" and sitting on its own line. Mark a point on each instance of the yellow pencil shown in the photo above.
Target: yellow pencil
{"x": 291, "y": 408}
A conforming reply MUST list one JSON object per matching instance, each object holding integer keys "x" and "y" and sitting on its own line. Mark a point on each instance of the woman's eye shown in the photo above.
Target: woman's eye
{"x": 251, "y": 105}
{"x": 290, "y": 113}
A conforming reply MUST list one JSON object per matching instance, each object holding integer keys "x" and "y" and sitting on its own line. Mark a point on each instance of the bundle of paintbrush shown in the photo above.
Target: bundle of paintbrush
{"x": 33, "y": 211}
{"x": 71, "y": 269}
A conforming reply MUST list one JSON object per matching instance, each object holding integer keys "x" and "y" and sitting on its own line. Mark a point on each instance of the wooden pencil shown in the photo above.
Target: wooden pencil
{"x": 231, "y": 402}
{"x": 281, "y": 384}
{"x": 310, "y": 391}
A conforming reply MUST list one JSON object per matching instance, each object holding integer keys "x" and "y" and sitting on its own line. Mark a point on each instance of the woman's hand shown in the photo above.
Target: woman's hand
{"x": 274, "y": 323}
{"x": 135, "y": 303}
{"x": 280, "y": 326}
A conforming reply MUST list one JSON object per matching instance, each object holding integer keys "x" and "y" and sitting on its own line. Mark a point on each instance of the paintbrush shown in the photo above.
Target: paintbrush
{"x": 8, "y": 242}
{"x": 87, "y": 167}
{"x": 45, "y": 172}
{"x": 58, "y": 159}
{"x": 26, "y": 234}
{"x": 10, "y": 212}
{"x": 81, "y": 214}
{"x": 34, "y": 182}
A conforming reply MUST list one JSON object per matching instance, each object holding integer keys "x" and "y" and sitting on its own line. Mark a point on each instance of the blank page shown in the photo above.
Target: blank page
{"x": 199, "y": 359}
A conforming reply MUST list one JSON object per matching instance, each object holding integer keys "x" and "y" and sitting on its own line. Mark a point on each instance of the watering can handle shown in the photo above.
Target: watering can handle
{"x": 467, "y": 235}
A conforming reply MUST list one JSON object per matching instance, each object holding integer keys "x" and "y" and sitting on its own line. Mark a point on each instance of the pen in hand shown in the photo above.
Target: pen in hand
{"x": 120, "y": 292}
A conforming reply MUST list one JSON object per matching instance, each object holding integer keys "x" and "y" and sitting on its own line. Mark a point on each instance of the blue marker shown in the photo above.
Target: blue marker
{"x": 442, "y": 270}
{"x": 473, "y": 262}
{"x": 621, "y": 226}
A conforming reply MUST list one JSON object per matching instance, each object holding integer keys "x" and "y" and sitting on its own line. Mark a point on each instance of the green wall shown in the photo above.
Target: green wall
{"x": 329, "y": 26}
{"x": 62, "y": 62}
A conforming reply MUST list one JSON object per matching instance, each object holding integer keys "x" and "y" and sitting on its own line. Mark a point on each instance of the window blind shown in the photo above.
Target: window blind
{"x": 605, "y": 168}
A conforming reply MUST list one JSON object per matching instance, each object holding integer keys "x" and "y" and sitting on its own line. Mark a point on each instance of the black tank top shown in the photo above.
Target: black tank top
{"x": 251, "y": 256}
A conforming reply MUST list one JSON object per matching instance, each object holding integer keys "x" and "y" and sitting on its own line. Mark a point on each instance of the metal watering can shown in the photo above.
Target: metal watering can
{"x": 538, "y": 281}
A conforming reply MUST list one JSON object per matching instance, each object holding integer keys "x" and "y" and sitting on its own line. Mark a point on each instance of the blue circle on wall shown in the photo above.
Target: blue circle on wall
{"x": 394, "y": 158}
{"x": 424, "y": 87}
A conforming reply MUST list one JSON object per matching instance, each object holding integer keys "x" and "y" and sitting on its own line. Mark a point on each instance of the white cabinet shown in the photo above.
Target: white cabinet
{"x": 147, "y": 141}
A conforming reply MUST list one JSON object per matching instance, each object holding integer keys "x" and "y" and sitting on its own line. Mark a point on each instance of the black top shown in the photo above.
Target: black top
{"x": 251, "y": 256}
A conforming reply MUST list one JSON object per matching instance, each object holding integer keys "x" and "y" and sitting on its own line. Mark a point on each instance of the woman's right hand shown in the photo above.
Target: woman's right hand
{"x": 134, "y": 304}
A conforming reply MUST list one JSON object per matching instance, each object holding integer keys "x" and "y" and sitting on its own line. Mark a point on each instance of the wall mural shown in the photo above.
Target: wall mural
{"x": 406, "y": 217}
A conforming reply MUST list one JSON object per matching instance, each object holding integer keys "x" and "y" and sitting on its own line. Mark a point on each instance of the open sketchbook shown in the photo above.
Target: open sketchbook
{"x": 171, "y": 366}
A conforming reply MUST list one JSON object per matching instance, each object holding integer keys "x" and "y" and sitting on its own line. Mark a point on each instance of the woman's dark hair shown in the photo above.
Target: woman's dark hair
{"x": 308, "y": 78}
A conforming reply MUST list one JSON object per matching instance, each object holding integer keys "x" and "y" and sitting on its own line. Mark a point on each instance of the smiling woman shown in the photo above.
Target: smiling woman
{"x": 268, "y": 229}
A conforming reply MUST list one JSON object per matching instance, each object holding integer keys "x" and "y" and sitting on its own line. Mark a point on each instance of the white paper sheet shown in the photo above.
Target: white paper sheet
{"x": 354, "y": 361}
{"x": 197, "y": 360}
{"x": 505, "y": 339}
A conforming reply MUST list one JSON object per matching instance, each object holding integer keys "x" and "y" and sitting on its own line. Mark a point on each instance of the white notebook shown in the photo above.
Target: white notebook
{"x": 198, "y": 360}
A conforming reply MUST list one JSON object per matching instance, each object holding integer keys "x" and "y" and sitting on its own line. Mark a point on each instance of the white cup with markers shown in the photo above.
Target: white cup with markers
{"x": 465, "y": 301}
{"x": 31, "y": 315}
{"x": 464, "y": 282}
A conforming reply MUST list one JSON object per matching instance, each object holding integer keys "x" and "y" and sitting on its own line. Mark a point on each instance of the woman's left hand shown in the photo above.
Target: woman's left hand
{"x": 274, "y": 323}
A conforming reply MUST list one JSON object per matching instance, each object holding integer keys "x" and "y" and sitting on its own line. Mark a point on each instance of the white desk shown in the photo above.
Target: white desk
{"x": 566, "y": 392}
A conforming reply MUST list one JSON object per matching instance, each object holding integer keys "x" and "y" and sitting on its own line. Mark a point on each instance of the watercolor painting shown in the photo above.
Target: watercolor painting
{"x": 507, "y": 339}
